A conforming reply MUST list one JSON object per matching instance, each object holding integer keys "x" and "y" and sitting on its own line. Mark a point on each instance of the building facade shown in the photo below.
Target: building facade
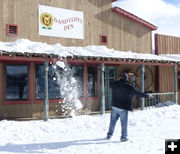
{"x": 165, "y": 44}
{"x": 70, "y": 23}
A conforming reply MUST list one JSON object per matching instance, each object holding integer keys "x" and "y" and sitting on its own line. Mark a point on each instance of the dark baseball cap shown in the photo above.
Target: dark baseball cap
{"x": 124, "y": 76}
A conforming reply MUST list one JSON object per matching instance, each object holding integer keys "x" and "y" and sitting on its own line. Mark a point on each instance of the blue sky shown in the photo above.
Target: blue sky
{"x": 172, "y": 1}
{"x": 165, "y": 14}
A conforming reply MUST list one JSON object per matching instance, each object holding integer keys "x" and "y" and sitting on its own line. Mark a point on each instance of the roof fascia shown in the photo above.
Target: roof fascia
{"x": 134, "y": 18}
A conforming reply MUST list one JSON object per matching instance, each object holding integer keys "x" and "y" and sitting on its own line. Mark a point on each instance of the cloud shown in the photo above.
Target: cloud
{"x": 163, "y": 14}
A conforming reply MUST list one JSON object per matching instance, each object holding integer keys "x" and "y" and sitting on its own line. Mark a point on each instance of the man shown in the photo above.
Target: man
{"x": 122, "y": 94}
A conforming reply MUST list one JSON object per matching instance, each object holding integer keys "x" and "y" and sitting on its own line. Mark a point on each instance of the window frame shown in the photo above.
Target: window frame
{"x": 38, "y": 101}
{"x": 178, "y": 79}
{"x": 48, "y": 87}
{"x": 83, "y": 81}
{"x": 12, "y": 29}
{"x": 101, "y": 40}
{"x": 16, "y": 101}
{"x": 94, "y": 88}
{"x": 89, "y": 98}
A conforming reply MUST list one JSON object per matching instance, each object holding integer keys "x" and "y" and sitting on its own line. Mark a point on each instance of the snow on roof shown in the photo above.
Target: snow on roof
{"x": 104, "y": 52}
{"x": 26, "y": 46}
{"x": 175, "y": 57}
{"x": 23, "y": 46}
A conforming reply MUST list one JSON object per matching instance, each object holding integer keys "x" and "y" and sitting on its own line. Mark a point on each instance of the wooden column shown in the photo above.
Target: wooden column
{"x": 175, "y": 85}
{"x": 102, "y": 68}
{"x": 46, "y": 99}
{"x": 142, "y": 85}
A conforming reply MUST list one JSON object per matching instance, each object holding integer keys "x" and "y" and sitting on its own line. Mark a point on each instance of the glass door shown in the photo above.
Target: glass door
{"x": 109, "y": 77}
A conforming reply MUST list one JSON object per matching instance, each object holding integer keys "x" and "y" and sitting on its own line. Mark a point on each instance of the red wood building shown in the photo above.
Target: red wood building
{"x": 93, "y": 23}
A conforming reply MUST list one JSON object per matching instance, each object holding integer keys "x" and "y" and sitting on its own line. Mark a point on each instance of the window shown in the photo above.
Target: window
{"x": 12, "y": 30}
{"x": 16, "y": 81}
{"x": 53, "y": 86}
{"x": 103, "y": 39}
{"x": 178, "y": 80}
{"x": 92, "y": 81}
{"x": 77, "y": 73}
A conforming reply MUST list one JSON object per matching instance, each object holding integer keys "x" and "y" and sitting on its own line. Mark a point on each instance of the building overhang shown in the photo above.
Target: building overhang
{"x": 25, "y": 50}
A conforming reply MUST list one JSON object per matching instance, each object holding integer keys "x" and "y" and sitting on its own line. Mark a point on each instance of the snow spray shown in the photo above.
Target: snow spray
{"x": 68, "y": 89}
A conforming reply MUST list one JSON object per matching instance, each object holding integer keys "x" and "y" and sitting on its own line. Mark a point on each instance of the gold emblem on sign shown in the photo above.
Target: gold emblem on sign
{"x": 46, "y": 20}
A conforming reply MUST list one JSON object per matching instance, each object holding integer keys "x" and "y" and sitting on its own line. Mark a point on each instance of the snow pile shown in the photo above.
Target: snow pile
{"x": 68, "y": 89}
{"x": 176, "y": 57}
{"x": 27, "y": 46}
{"x": 60, "y": 64}
{"x": 147, "y": 130}
{"x": 104, "y": 52}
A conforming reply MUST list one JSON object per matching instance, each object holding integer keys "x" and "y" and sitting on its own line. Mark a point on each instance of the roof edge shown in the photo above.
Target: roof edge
{"x": 134, "y": 18}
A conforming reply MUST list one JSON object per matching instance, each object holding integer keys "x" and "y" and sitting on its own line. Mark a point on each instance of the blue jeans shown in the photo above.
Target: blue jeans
{"x": 115, "y": 114}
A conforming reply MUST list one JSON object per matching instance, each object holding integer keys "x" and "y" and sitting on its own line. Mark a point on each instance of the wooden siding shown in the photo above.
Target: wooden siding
{"x": 166, "y": 79}
{"x": 165, "y": 44}
{"x": 123, "y": 34}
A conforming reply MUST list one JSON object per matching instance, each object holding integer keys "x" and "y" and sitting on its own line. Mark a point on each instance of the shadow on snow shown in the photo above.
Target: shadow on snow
{"x": 37, "y": 147}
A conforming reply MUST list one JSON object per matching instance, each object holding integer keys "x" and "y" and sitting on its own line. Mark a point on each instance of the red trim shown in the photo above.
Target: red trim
{"x": 96, "y": 97}
{"x": 50, "y": 101}
{"x": 34, "y": 85}
{"x": 178, "y": 81}
{"x": 134, "y": 18}
{"x": 12, "y": 30}
{"x": 22, "y": 58}
{"x": 102, "y": 41}
{"x": 77, "y": 61}
{"x": 28, "y": 101}
{"x": 114, "y": 0}
{"x": 115, "y": 62}
{"x": 157, "y": 53}
{"x": 16, "y": 102}
{"x": 85, "y": 82}
{"x": 74, "y": 61}
{"x": 158, "y": 79}
{"x": 156, "y": 44}
{"x": 83, "y": 62}
{"x": 54, "y": 100}
{"x": 152, "y": 69}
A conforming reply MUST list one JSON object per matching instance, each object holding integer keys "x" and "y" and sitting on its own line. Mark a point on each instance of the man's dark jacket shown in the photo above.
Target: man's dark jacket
{"x": 122, "y": 94}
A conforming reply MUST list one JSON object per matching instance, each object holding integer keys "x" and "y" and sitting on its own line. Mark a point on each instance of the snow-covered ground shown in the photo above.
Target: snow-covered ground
{"x": 86, "y": 134}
